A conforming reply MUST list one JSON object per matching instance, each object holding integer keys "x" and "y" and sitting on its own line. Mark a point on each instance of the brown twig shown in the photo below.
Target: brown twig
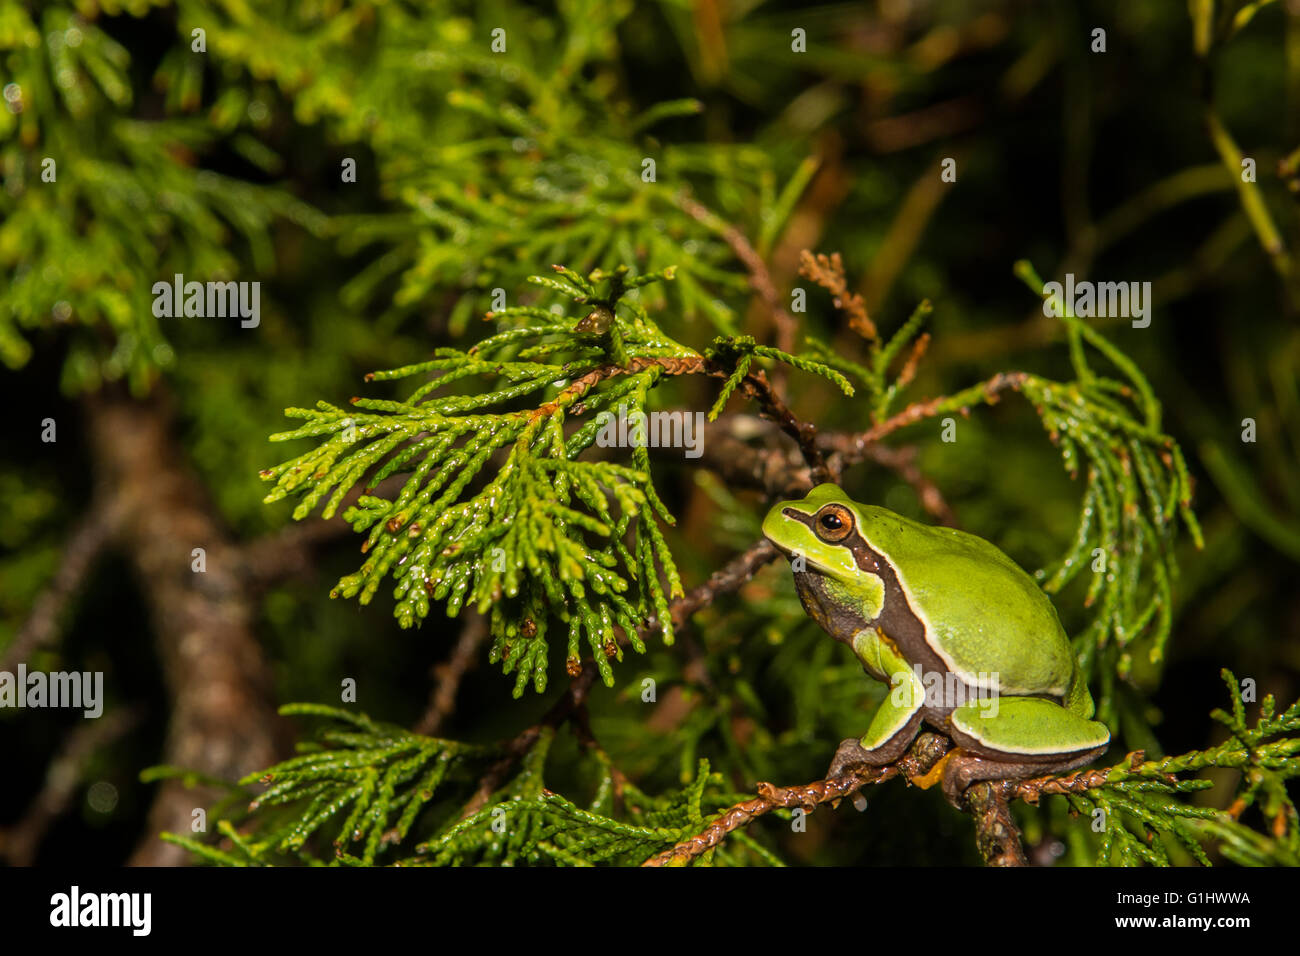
{"x": 684, "y": 365}
{"x": 448, "y": 675}
{"x": 913, "y": 361}
{"x": 924, "y": 753}
{"x": 760, "y": 278}
{"x": 1078, "y": 782}
{"x": 849, "y": 449}
{"x": 755, "y": 385}
{"x": 778, "y": 472}
{"x": 729, "y": 578}
{"x": 996, "y": 833}
{"x": 828, "y": 272}
{"x": 63, "y": 778}
{"x": 902, "y": 461}
{"x": 83, "y": 547}
{"x": 523, "y": 742}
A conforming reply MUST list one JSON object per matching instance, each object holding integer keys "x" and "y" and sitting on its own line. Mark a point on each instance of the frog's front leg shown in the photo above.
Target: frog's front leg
{"x": 892, "y": 729}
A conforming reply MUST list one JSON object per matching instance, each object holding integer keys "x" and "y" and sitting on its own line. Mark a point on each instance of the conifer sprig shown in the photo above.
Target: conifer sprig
{"x": 1137, "y": 491}
{"x": 1137, "y": 800}
{"x": 499, "y": 510}
{"x": 112, "y": 203}
{"x": 365, "y": 792}
{"x": 882, "y": 390}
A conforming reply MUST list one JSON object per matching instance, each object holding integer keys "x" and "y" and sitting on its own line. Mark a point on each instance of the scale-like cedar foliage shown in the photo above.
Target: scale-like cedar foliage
{"x": 666, "y": 235}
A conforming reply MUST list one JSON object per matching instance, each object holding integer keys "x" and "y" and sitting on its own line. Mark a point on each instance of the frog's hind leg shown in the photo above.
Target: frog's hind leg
{"x": 1011, "y": 738}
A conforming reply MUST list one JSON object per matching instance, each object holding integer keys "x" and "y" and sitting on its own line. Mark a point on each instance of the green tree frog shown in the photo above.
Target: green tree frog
{"x": 966, "y": 640}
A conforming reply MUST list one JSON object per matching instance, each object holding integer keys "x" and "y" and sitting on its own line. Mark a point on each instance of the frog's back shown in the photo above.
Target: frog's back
{"x": 986, "y": 614}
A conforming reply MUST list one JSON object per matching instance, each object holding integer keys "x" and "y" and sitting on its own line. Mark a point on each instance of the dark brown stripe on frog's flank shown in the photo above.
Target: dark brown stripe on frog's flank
{"x": 896, "y": 619}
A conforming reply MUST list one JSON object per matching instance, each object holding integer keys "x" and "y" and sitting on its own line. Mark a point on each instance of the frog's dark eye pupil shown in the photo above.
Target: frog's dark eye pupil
{"x": 832, "y": 522}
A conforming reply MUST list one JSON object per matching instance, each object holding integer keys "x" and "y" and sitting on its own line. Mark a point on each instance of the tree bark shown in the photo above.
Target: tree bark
{"x": 223, "y": 722}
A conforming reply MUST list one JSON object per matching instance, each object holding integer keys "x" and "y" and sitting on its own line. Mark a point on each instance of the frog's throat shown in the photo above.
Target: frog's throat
{"x": 896, "y": 618}
{"x": 834, "y": 617}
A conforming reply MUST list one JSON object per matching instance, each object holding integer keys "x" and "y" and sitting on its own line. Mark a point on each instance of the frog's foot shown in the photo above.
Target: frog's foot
{"x": 875, "y": 749}
{"x": 892, "y": 729}
{"x": 848, "y": 757}
{"x": 962, "y": 769}
{"x": 851, "y": 755}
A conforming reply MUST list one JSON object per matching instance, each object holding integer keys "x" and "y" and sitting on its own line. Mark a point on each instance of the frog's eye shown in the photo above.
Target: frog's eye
{"x": 833, "y": 523}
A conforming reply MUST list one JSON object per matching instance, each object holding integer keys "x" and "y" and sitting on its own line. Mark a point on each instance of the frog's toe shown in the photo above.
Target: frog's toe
{"x": 852, "y": 754}
{"x": 848, "y": 756}
{"x": 961, "y": 769}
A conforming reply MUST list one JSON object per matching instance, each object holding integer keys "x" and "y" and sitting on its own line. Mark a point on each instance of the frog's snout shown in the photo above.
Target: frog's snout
{"x": 775, "y": 524}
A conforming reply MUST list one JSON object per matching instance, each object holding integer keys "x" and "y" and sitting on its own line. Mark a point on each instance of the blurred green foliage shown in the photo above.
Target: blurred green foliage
{"x": 477, "y": 169}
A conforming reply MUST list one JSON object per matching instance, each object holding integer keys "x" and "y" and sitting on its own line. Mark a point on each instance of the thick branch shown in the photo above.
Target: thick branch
{"x": 223, "y": 723}
{"x": 996, "y": 833}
